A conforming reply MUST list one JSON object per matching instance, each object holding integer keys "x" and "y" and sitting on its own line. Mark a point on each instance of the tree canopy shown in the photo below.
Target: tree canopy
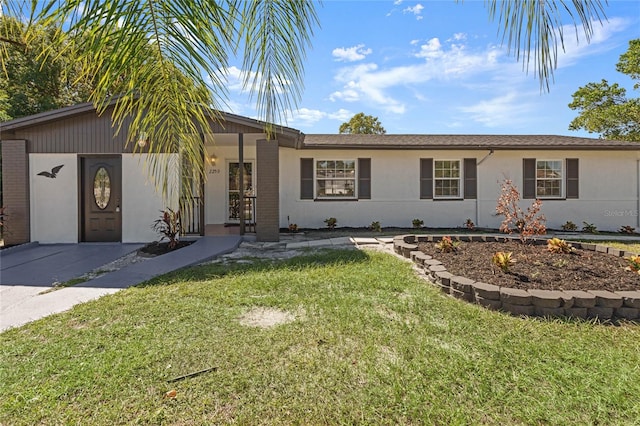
{"x": 35, "y": 83}
{"x": 605, "y": 108}
{"x": 363, "y": 124}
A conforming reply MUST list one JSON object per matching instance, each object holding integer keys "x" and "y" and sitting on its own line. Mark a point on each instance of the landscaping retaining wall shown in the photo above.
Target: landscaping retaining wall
{"x": 604, "y": 305}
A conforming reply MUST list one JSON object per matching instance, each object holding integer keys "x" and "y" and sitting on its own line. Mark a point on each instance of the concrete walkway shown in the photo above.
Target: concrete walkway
{"x": 32, "y": 269}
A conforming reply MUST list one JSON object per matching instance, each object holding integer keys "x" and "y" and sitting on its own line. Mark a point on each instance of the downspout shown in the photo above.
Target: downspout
{"x": 477, "y": 221}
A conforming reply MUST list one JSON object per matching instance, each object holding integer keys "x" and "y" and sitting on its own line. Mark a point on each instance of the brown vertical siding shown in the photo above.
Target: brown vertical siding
{"x": 15, "y": 191}
{"x": 84, "y": 134}
{"x": 267, "y": 191}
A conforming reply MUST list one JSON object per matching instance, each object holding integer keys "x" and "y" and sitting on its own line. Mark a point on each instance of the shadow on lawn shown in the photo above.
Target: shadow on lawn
{"x": 321, "y": 257}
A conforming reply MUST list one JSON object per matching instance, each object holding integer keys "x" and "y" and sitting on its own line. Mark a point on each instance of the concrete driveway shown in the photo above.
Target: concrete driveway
{"x": 26, "y": 271}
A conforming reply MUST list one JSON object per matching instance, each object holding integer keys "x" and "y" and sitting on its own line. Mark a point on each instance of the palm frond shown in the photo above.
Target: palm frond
{"x": 533, "y": 29}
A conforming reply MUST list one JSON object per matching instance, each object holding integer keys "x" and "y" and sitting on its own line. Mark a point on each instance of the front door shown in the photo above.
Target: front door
{"x": 101, "y": 194}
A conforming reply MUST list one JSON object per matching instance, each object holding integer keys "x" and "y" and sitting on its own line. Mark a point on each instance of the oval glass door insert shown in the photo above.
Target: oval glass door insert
{"x": 102, "y": 188}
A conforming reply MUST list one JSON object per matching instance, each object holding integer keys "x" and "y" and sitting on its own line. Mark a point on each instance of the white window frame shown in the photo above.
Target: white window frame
{"x": 316, "y": 187}
{"x": 560, "y": 179}
{"x": 459, "y": 179}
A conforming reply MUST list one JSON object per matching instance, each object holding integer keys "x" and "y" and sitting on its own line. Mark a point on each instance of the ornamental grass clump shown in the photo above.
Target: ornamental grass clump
{"x": 556, "y": 245}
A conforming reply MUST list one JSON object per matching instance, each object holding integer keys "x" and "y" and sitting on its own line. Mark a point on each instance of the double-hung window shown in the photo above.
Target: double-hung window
{"x": 344, "y": 179}
{"x": 335, "y": 178}
{"x": 446, "y": 178}
{"x": 549, "y": 178}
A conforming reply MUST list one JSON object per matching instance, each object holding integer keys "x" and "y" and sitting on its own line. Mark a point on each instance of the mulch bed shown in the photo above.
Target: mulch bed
{"x": 156, "y": 248}
{"x": 537, "y": 268}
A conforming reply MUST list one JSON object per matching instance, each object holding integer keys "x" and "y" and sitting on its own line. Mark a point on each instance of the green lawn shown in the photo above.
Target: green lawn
{"x": 371, "y": 344}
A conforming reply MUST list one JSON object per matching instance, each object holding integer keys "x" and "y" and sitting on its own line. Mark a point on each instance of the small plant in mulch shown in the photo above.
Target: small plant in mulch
{"x": 447, "y": 245}
{"x": 528, "y": 223}
{"x": 627, "y": 230}
{"x": 169, "y": 226}
{"x": 375, "y": 226}
{"x": 470, "y": 225}
{"x": 589, "y": 228}
{"x": 634, "y": 264}
{"x": 569, "y": 226}
{"x": 417, "y": 223}
{"x": 503, "y": 260}
{"x": 556, "y": 245}
{"x": 331, "y": 223}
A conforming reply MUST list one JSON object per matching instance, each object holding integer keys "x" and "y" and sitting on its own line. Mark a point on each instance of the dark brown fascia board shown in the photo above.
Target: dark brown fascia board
{"x": 47, "y": 116}
{"x": 78, "y": 109}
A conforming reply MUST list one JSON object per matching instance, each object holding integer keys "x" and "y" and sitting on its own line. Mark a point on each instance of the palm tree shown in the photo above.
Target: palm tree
{"x": 167, "y": 59}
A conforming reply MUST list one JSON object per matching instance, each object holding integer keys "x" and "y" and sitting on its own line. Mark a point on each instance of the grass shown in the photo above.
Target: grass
{"x": 371, "y": 344}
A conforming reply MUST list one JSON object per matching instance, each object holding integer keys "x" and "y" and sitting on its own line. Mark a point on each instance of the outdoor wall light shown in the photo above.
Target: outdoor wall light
{"x": 142, "y": 139}
{"x": 212, "y": 159}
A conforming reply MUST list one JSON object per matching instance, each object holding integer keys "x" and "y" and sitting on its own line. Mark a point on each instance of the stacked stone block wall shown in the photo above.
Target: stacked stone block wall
{"x": 601, "y": 304}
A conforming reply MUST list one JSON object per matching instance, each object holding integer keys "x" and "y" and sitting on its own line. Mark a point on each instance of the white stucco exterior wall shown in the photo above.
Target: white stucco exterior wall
{"x": 54, "y": 202}
{"x": 608, "y": 189}
{"x": 142, "y": 201}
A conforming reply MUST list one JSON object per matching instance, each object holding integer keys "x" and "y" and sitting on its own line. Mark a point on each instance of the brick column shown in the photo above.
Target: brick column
{"x": 15, "y": 191}
{"x": 267, "y": 190}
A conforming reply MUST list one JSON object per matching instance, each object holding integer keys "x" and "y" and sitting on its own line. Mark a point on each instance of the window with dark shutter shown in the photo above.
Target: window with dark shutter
{"x": 364, "y": 178}
{"x": 426, "y": 178}
{"x": 572, "y": 178}
{"x": 529, "y": 172}
{"x": 306, "y": 178}
{"x": 470, "y": 179}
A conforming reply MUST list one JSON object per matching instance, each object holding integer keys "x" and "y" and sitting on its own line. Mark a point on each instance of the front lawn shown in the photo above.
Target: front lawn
{"x": 369, "y": 343}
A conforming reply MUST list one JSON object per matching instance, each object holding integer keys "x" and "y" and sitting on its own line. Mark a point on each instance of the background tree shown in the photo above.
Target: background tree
{"x": 605, "y": 108}
{"x": 32, "y": 82}
{"x": 363, "y": 124}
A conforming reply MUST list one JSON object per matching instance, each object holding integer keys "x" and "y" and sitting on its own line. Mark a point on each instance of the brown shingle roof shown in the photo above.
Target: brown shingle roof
{"x": 462, "y": 142}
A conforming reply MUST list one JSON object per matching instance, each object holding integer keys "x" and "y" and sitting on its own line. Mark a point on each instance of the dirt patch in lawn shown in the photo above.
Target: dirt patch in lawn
{"x": 536, "y": 267}
{"x": 266, "y": 317}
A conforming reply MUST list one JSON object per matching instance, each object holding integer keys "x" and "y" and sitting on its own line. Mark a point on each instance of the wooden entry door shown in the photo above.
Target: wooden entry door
{"x": 101, "y": 197}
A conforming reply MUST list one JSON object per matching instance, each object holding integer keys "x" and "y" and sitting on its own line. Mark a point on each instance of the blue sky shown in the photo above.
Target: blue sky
{"x": 439, "y": 67}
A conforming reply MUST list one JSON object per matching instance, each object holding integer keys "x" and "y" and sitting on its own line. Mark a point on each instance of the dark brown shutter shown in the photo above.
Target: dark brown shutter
{"x": 364, "y": 178}
{"x": 426, "y": 178}
{"x": 572, "y": 178}
{"x": 306, "y": 178}
{"x": 470, "y": 179}
{"x": 529, "y": 172}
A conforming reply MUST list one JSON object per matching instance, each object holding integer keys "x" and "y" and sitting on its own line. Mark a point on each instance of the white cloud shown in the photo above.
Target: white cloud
{"x": 397, "y": 2}
{"x": 459, "y": 37}
{"x": 416, "y": 10}
{"x": 348, "y": 95}
{"x": 310, "y": 116}
{"x": 575, "y": 49}
{"x": 350, "y": 54}
{"x": 366, "y": 82}
{"x": 432, "y": 49}
{"x": 236, "y": 77}
{"x": 501, "y": 111}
